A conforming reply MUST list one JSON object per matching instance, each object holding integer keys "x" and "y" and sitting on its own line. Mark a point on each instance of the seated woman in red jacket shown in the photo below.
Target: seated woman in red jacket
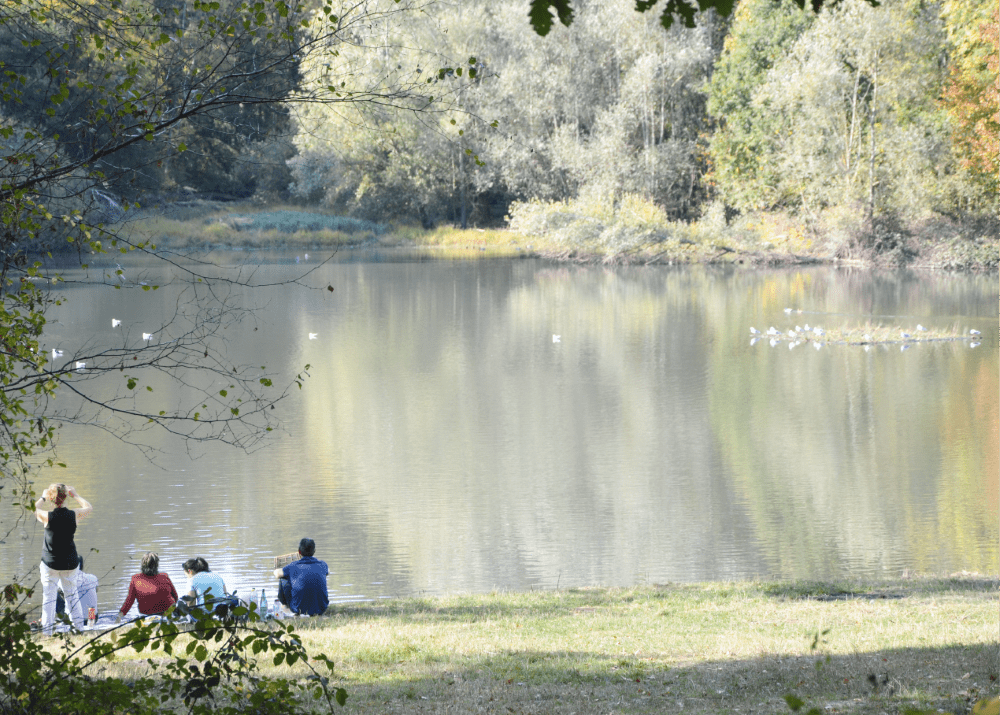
{"x": 153, "y": 590}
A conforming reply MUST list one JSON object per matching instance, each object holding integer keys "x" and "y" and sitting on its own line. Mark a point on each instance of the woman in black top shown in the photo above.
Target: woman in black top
{"x": 60, "y": 562}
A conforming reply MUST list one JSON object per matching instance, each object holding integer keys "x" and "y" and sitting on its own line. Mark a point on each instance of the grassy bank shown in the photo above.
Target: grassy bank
{"x": 879, "y": 647}
{"x": 633, "y": 231}
{"x": 205, "y": 224}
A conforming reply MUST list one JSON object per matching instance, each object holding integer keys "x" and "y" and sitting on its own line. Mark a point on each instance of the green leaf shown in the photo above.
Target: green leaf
{"x": 540, "y": 14}
{"x": 223, "y": 393}
{"x": 794, "y": 702}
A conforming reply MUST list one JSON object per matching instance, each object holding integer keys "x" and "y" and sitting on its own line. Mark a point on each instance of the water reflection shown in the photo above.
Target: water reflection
{"x": 443, "y": 441}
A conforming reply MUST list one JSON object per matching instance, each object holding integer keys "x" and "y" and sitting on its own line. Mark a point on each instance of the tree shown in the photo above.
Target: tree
{"x": 972, "y": 96}
{"x": 630, "y": 123}
{"x": 415, "y": 158}
{"x": 855, "y": 117}
{"x": 762, "y": 32}
{"x": 607, "y": 108}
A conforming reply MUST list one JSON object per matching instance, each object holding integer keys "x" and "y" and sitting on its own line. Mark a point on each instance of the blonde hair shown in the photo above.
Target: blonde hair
{"x": 56, "y": 493}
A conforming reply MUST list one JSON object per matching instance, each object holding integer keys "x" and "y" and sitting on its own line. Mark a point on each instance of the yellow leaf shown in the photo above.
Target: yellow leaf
{"x": 989, "y": 706}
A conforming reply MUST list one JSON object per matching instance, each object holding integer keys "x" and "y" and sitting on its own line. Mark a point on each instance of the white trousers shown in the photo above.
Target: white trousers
{"x": 51, "y": 581}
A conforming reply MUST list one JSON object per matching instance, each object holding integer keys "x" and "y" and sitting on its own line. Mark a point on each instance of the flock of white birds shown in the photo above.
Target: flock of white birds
{"x": 815, "y": 335}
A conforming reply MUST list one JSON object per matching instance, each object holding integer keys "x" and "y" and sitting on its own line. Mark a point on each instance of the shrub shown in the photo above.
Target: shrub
{"x": 631, "y": 222}
{"x": 213, "y": 669}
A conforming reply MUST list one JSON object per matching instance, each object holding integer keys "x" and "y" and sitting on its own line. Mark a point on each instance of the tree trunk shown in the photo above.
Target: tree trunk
{"x": 871, "y": 155}
{"x": 461, "y": 184}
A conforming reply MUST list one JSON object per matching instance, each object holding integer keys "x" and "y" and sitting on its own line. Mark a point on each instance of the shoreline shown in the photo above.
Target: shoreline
{"x": 215, "y": 226}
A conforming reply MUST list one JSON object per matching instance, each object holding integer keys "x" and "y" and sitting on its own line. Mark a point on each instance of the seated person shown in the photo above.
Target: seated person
{"x": 153, "y": 590}
{"x": 207, "y": 588}
{"x": 302, "y": 584}
{"x": 86, "y": 591}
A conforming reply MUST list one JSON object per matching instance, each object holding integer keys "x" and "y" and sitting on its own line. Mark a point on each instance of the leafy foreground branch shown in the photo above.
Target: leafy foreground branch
{"x": 208, "y": 666}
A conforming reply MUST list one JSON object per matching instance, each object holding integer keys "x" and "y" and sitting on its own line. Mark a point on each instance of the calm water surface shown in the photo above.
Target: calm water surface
{"x": 513, "y": 424}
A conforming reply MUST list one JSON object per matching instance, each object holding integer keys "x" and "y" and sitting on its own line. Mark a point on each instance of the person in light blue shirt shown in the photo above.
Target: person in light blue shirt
{"x": 205, "y": 585}
{"x": 302, "y": 584}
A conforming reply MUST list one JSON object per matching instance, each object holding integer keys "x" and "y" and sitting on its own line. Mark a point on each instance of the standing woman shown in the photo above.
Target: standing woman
{"x": 60, "y": 562}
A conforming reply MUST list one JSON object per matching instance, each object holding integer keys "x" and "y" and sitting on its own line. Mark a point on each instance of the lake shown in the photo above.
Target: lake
{"x": 503, "y": 424}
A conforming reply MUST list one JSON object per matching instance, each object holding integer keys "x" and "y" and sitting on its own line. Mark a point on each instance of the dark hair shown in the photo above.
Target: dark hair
{"x": 307, "y": 547}
{"x": 196, "y": 565}
{"x": 150, "y": 565}
{"x": 81, "y": 562}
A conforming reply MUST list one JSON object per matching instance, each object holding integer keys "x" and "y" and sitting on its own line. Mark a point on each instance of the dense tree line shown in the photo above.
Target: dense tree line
{"x": 887, "y": 110}
{"x": 612, "y": 105}
{"x": 876, "y": 110}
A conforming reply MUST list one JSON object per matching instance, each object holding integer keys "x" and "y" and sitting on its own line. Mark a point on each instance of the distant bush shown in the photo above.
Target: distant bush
{"x": 631, "y": 222}
{"x": 218, "y": 232}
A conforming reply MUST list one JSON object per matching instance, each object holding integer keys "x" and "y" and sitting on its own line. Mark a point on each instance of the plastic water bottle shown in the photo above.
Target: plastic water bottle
{"x": 276, "y": 609}
{"x": 253, "y": 598}
{"x": 263, "y": 604}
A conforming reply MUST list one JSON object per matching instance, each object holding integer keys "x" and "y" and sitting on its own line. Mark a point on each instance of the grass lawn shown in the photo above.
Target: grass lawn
{"x": 712, "y": 648}
{"x": 876, "y": 647}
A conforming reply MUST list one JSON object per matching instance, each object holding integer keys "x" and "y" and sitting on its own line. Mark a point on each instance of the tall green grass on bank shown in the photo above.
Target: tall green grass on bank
{"x": 866, "y": 648}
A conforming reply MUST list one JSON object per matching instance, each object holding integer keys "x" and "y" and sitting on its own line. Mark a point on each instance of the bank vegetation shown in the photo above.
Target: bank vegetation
{"x": 637, "y": 231}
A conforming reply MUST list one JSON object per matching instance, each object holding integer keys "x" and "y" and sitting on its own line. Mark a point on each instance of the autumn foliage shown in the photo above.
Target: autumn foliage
{"x": 972, "y": 97}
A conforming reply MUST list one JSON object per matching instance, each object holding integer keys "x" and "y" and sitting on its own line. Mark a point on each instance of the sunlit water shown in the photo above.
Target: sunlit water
{"x": 514, "y": 424}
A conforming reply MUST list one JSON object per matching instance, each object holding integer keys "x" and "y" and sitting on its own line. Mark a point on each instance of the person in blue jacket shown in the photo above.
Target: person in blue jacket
{"x": 302, "y": 583}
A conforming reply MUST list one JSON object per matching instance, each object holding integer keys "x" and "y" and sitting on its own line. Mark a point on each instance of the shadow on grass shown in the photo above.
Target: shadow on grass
{"x": 949, "y": 679}
{"x": 407, "y": 676}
